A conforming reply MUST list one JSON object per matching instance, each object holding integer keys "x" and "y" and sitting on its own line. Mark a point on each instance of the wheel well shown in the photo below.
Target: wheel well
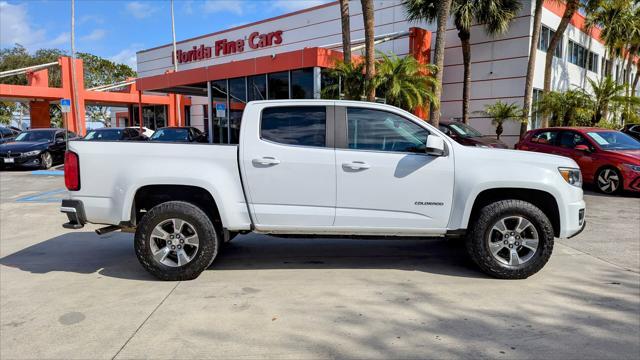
{"x": 541, "y": 199}
{"x": 151, "y": 195}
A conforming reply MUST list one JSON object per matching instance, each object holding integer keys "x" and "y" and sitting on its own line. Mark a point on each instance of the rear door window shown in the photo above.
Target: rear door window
{"x": 545, "y": 138}
{"x": 295, "y": 125}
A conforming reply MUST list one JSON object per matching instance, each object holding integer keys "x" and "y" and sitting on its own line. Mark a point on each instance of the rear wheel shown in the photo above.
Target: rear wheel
{"x": 609, "y": 181}
{"x": 46, "y": 160}
{"x": 176, "y": 240}
{"x": 510, "y": 239}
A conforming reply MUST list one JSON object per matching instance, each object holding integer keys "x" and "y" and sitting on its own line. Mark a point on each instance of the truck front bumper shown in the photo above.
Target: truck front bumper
{"x": 75, "y": 213}
{"x": 574, "y": 221}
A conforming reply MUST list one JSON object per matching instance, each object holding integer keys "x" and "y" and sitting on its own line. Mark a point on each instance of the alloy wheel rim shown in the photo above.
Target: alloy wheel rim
{"x": 608, "y": 181}
{"x": 174, "y": 242}
{"x": 513, "y": 240}
{"x": 46, "y": 160}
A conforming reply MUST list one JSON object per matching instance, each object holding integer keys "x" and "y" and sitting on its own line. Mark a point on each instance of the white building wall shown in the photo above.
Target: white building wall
{"x": 499, "y": 64}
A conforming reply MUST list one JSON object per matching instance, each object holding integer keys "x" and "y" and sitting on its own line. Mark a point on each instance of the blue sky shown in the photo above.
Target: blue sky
{"x": 116, "y": 29}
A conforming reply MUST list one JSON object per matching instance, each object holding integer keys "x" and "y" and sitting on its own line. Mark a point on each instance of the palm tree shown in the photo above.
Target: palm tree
{"x": 430, "y": 10}
{"x": 405, "y": 82}
{"x": 346, "y": 30}
{"x": 531, "y": 67}
{"x": 570, "y": 9}
{"x": 608, "y": 95}
{"x": 499, "y": 112}
{"x": 348, "y": 81}
{"x": 369, "y": 35}
{"x": 495, "y": 15}
{"x": 569, "y": 108}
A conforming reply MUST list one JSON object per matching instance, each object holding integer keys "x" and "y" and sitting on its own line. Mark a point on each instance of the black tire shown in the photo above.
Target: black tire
{"x": 608, "y": 174}
{"x": 207, "y": 235}
{"x": 480, "y": 230}
{"x": 46, "y": 160}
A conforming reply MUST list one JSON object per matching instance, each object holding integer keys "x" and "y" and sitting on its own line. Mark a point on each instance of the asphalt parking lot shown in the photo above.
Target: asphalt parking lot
{"x": 73, "y": 294}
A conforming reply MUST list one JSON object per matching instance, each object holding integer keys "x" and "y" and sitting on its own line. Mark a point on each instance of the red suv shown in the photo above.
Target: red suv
{"x": 609, "y": 159}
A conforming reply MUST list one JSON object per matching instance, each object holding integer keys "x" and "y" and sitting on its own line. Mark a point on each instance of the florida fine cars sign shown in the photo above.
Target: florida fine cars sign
{"x": 255, "y": 40}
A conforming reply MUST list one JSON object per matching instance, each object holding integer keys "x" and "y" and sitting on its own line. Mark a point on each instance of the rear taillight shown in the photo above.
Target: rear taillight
{"x": 71, "y": 171}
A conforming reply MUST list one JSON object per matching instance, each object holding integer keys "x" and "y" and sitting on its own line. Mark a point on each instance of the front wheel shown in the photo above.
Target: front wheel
{"x": 46, "y": 160}
{"x": 510, "y": 239}
{"x": 609, "y": 181}
{"x": 175, "y": 241}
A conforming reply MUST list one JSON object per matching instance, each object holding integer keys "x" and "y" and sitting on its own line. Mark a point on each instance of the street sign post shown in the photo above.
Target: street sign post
{"x": 65, "y": 105}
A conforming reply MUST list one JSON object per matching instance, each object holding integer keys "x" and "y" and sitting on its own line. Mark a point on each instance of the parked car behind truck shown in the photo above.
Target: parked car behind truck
{"x": 609, "y": 159}
{"x": 37, "y": 148}
{"x": 330, "y": 168}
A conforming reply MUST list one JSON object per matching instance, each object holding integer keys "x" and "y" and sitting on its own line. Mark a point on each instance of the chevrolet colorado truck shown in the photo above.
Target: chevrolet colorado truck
{"x": 325, "y": 168}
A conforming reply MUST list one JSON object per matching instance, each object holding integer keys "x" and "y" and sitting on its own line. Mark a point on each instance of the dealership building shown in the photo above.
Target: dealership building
{"x": 285, "y": 57}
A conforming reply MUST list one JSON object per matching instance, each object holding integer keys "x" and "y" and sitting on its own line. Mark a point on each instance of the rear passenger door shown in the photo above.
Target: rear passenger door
{"x": 544, "y": 141}
{"x": 289, "y": 168}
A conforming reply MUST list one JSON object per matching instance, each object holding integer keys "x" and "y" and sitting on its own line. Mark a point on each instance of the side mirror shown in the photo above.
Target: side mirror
{"x": 435, "y": 145}
{"x": 584, "y": 148}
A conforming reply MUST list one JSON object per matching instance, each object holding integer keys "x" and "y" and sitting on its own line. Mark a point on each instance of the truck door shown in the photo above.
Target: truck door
{"x": 289, "y": 170}
{"x": 386, "y": 182}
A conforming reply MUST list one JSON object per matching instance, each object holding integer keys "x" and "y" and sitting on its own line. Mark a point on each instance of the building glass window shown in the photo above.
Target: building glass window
{"x": 328, "y": 85}
{"x": 579, "y": 55}
{"x": 278, "y": 84}
{"x": 302, "y": 84}
{"x": 237, "y": 103}
{"x": 257, "y": 86}
{"x": 295, "y": 125}
{"x": 154, "y": 116}
{"x": 536, "y": 116}
{"x": 220, "y": 124}
{"x": 593, "y": 61}
{"x": 545, "y": 39}
{"x": 383, "y": 131}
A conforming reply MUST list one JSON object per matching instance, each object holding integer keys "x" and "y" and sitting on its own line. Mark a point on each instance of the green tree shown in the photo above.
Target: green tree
{"x": 348, "y": 81}
{"x": 569, "y": 108}
{"x": 499, "y": 112}
{"x": 430, "y": 11}
{"x": 531, "y": 66}
{"x": 6, "y": 111}
{"x": 99, "y": 71}
{"x": 18, "y": 57}
{"x": 405, "y": 82}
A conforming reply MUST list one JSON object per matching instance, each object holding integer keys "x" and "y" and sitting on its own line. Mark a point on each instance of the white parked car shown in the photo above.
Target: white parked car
{"x": 323, "y": 167}
{"x": 145, "y": 130}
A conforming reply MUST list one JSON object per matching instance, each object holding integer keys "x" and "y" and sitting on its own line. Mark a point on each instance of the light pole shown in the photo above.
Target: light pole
{"x": 73, "y": 69}
{"x": 175, "y": 63}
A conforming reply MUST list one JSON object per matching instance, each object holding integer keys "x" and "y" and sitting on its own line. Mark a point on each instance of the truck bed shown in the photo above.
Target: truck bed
{"x": 112, "y": 172}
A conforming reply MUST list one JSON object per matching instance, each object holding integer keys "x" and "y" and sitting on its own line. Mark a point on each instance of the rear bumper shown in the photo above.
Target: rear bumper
{"x": 75, "y": 213}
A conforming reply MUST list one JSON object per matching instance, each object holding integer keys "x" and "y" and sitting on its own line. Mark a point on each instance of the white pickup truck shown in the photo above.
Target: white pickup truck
{"x": 325, "y": 168}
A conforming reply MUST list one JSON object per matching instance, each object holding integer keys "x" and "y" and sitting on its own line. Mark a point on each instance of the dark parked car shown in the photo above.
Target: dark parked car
{"x": 40, "y": 148}
{"x": 7, "y": 134}
{"x": 466, "y": 135}
{"x": 114, "y": 134}
{"x": 632, "y": 130}
{"x": 179, "y": 134}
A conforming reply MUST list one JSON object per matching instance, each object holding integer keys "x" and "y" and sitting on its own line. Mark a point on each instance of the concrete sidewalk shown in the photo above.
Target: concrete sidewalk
{"x": 76, "y": 295}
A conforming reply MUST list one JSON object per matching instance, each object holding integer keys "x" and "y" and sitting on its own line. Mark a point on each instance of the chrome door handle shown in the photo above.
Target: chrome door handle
{"x": 266, "y": 161}
{"x": 356, "y": 165}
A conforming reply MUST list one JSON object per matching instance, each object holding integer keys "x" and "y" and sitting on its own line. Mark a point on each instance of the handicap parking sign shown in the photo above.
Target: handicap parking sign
{"x": 221, "y": 110}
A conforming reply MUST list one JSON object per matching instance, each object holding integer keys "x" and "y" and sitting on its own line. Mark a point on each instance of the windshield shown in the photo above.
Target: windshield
{"x": 465, "y": 131}
{"x": 171, "y": 135}
{"x": 113, "y": 134}
{"x": 614, "y": 140}
{"x": 41, "y": 135}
